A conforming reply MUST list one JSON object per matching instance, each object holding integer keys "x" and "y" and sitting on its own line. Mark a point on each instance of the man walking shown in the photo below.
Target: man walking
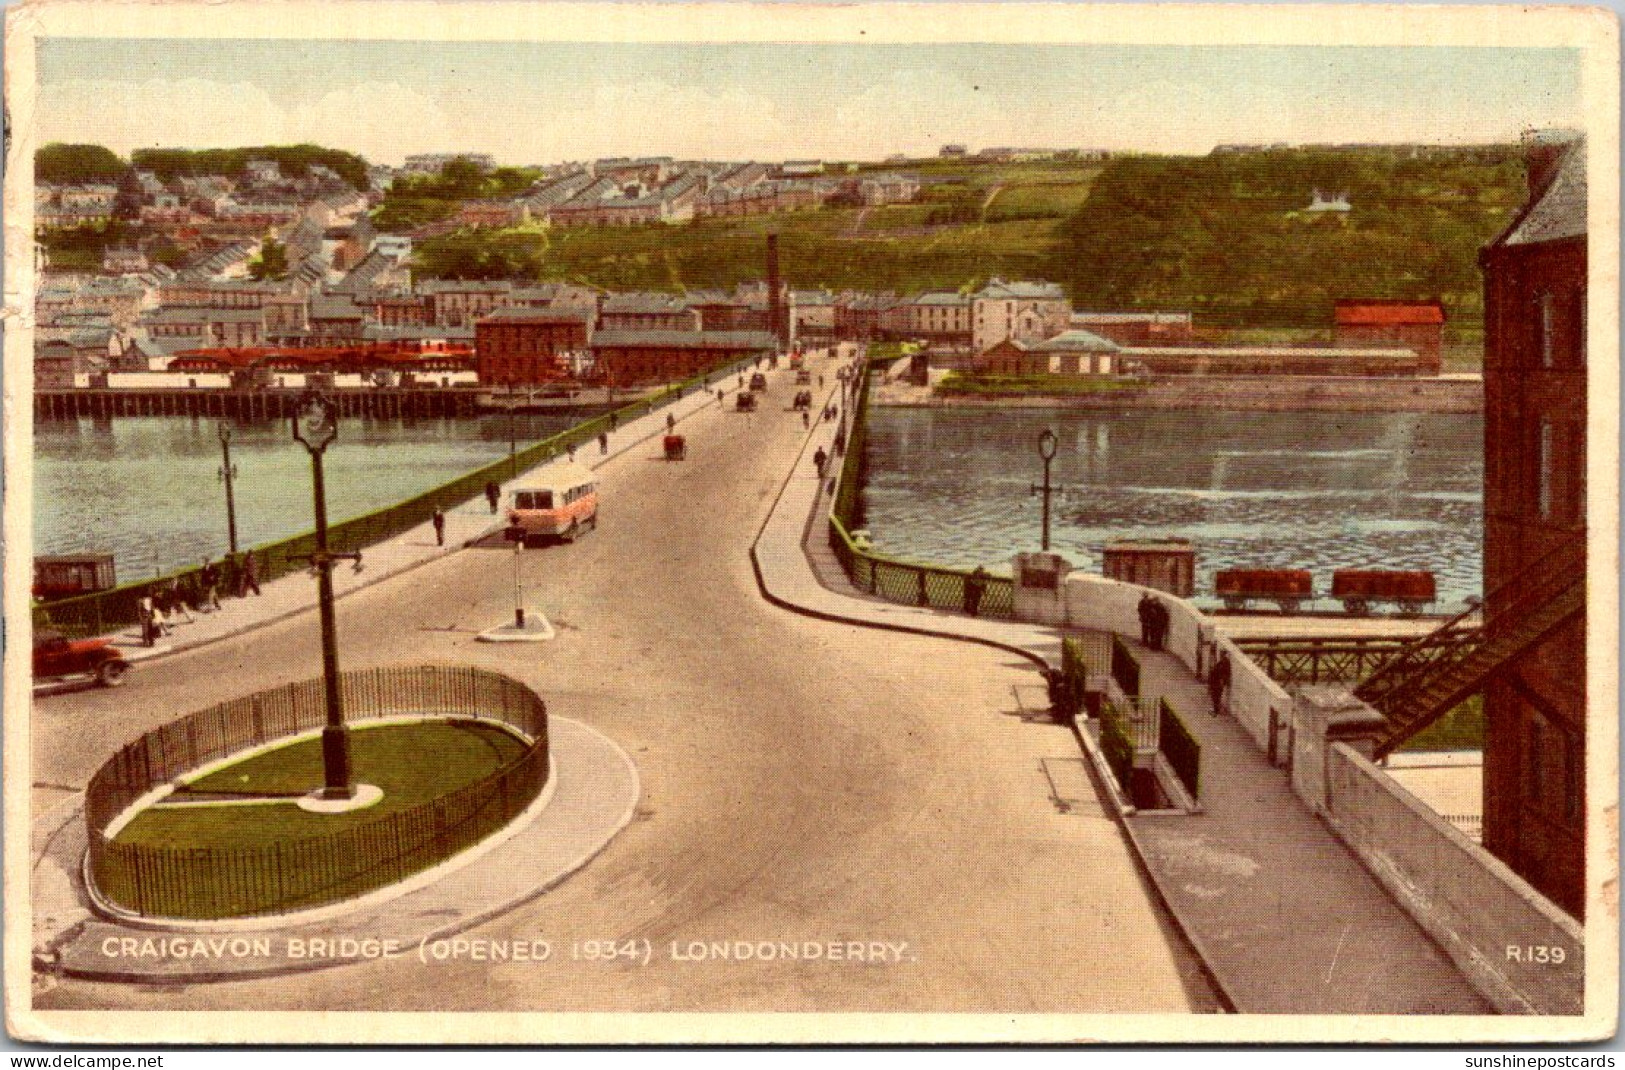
{"x": 209, "y": 577}
{"x": 439, "y": 522}
{"x": 1146, "y": 613}
{"x": 603, "y": 442}
{"x": 975, "y": 584}
{"x": 493, "y": 494}
{"x": 1218, "y": 683}
{"x": 250, "y": 576}
{"x": 818, "y": 460}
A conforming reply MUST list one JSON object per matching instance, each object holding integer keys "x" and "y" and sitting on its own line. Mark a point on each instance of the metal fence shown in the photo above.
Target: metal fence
{"x": 1125, "y": 667}
{"x": 278, "y": 877}
{"x": 94, "y": 614}
{"x": 907, "y": 582}
{"x": 1179, "y": 747}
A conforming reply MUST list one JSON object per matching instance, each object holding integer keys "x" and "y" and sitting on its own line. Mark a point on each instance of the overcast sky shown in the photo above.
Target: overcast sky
{"x": 547, "y": 102}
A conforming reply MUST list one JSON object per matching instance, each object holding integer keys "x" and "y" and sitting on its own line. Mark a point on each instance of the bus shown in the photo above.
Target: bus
{"x": 560, "y": 501}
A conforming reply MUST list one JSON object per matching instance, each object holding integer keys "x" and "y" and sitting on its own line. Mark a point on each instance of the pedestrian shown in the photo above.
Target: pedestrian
{"x": 149, "y": 620}
{"x": 175, "y": 600}
{"x": 493, "y": 494}
{"x": 210, "y": 578}
{"x": 820, "y": 380}
{"x": 614, "y": 420}
{"x": 250, "y": 576}
{"x": 719, "y": 397}
{"x": 840, "y": 442}
{"x": 603, "y": 442}
{"x": 1146, "y": 613}
{"x": 439, "y": 522}
{"x": 805, "y": 422}
{"x": 570, "y": 451}
{"x": 741, "y": 382}
{"x": 1218, "y": 682}
{"x": 975, "y": 584}
{"x": 818, "y": 461}
{"x": 671, "y": 423}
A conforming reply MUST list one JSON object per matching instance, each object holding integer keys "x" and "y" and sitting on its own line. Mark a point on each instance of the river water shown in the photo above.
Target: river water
{"x": 147, "y": 488}
{"x": 1319, "y": 491}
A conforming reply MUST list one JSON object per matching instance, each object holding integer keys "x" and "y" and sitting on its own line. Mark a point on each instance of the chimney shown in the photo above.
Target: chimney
{"x": 775, "y": 299}
{"x": 1543, "y": 151}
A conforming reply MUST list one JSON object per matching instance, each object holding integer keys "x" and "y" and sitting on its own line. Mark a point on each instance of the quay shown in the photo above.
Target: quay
{"x": 263, "y": 404}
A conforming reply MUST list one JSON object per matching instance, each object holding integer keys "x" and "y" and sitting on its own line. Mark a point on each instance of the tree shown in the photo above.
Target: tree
{"x": 58, "y": 164}
{"x": 127, "y": 208}
{"x": 272, "y": 263}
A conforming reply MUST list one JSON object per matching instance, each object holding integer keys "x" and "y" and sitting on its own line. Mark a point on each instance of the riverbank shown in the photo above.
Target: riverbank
{"x": 1446, "y": 394}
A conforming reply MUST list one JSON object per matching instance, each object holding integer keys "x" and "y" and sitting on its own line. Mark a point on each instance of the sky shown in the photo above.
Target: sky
{"x": 546, "y": 102}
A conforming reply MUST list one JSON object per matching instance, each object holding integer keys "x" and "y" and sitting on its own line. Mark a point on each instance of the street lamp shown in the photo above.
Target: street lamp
{"x": 516, "y": 535}
{"x": 228, "y": 476}
{"x": 315, "y": 426}
{"x": 1046, "y": 450}
{"x": 513, "y": 436}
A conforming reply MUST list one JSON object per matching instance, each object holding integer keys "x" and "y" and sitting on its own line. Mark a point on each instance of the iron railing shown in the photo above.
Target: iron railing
{"x": 95, "y": 614}
{"x": 281, "y": 876}
{"x": 1177, "y": 744}
{"x": 895, "y": 580}
{"x": 1457, "y": 638}
{"x": 1315, "y": 660}
{"x": 1125, "y": 667}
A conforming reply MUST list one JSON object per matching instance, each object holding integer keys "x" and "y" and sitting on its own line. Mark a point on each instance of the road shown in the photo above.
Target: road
{"x": 802, "y": 780}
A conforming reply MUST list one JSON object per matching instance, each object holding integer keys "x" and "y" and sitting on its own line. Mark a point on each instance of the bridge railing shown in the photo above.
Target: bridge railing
{"x": 896, "y": 580}
{"x": 95, "y": 614}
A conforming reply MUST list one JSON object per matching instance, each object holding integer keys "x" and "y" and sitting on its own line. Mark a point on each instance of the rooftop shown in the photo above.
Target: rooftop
{"x": 1561, "y": 210}
{"x": 736, "y": 340}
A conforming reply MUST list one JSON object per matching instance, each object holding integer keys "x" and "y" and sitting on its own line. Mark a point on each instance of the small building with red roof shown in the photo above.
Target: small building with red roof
{"x": 1414, "y": 325}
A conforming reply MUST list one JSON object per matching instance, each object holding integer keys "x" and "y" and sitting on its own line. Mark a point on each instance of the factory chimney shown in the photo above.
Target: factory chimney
{"x": 776, "y": 319}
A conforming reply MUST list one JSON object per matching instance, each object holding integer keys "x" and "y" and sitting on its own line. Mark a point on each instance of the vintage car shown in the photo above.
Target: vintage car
{"x": 745, "y": 402}
{"x": 758, "y": 381}
{"x": 56, "y": 656}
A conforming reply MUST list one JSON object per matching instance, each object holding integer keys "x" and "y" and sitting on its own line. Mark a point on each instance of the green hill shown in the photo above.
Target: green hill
{"x": 1226, "y": 237}
{"x": 294, "y": 161}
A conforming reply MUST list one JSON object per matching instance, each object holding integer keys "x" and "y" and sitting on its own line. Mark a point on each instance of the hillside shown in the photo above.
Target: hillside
{"x": 1226, "y": 236}
{"x": 972, "y": 221}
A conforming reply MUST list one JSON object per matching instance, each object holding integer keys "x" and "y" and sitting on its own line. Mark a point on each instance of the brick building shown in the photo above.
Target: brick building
{"x": 1535, "y": 276}
{"x": 626, "y": 358}
{"x": 1417, "y": 325}
{"x": 529, "y": 345}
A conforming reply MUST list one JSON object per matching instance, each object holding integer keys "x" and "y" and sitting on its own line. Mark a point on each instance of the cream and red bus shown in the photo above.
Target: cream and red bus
{"x": 560, "y": 501}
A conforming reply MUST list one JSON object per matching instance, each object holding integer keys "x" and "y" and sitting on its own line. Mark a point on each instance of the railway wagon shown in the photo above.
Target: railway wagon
{"x": 67, "y": 575}
{"x": 1360, "y": 588}
{"x": 1288, "y": 588}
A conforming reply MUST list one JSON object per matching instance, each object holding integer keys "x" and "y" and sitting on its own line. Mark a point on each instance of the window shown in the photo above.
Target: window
{"x": 1545, "y": 317}
{"x": 1532, "y": 757}
{"x": 1543, "y": 469}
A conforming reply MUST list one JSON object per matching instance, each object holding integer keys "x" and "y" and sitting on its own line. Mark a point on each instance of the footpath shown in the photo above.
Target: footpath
{"x": 1285, "y": 918}
{"x": 467, "y": 523}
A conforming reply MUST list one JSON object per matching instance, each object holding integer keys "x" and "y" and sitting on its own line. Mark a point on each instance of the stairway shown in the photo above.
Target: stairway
{"x": 1435, "y": 674}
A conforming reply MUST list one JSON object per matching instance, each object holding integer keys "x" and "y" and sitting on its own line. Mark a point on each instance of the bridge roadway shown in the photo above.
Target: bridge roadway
{"x": 802, "y": 780}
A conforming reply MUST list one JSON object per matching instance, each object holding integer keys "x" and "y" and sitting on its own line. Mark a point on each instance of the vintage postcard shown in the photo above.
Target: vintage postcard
{"x": 740, "y": 523}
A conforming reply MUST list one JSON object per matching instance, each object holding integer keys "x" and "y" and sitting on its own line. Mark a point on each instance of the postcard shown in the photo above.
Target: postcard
{"x": 772, "y": 523}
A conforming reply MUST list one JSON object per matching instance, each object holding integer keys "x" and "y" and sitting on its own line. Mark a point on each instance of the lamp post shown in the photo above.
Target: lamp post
{"x": 315, "y": 426}
{"x": 516, "y": 535}
{"x": 228, "y": 476}
{"x": 1046, "y": 450}
{"x": 513, "y": 435}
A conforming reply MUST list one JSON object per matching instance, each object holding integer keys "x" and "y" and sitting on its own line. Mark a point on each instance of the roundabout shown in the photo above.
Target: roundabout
{"x": 219, "y": 873}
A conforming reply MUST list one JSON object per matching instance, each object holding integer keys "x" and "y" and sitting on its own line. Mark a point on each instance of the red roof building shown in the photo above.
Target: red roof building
{"x": 1416, "y": 325}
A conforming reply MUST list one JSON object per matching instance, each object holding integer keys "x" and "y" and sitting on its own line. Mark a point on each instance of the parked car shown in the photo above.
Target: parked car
{"x": 57, "y": 656}
{"x": 758, "y": 381}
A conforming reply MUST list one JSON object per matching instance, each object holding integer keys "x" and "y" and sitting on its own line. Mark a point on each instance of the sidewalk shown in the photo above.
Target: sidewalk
{"x": 1283, "y": 915}
{"x": 465, "y": 523}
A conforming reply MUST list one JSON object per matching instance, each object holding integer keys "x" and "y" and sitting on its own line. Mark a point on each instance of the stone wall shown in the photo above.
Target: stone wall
{"x": 1503, "y": 934}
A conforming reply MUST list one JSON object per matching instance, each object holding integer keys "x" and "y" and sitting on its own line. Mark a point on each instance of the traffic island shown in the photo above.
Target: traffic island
{"x": 592, "y": 793}
{"x": 532, "y": 627}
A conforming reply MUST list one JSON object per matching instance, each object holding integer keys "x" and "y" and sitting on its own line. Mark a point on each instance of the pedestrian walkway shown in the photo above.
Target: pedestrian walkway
{"x": 1283, "y": 915}
{"x": 466, "y": 523}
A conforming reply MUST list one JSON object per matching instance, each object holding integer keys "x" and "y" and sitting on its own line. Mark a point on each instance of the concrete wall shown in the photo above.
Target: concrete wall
{"x": 1494, "y": 925}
